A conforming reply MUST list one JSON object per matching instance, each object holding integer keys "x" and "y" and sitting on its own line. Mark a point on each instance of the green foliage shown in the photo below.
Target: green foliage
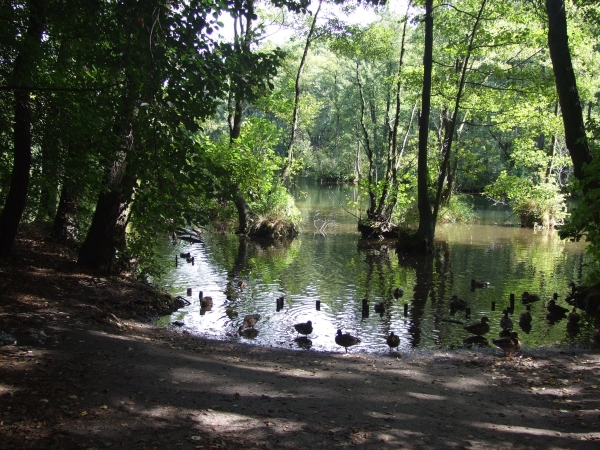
{"x": 252, "y": 166}
{"x": 585, "y": 216}
{"x": 535, "y": 203}
{"x": 459, "y": 210}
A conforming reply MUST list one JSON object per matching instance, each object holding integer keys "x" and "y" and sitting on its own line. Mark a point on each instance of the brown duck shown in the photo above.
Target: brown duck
{"x": 526, "y": 297}
{"x": 479, "y": 328}
{"x": 556, "y": 310}
{"x": 249, "y": 321}
{"x": 510, "y": 344}
{"x": 457, "y": 303}
{"x": 525, "y": 316}
{"x": 205, "y": 302}
{"x": 393, "y": 341}
{"x": 346, "y": 340}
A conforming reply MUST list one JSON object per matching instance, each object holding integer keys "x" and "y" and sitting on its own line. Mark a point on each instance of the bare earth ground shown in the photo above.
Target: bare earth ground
{"x": 89, "y": 372}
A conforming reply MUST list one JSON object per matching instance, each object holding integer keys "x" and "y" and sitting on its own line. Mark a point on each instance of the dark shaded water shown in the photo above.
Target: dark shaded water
{"x": 328, "y": 263}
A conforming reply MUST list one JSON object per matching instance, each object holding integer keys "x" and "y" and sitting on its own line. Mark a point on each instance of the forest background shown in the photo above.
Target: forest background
{"x": 121, "y": 121}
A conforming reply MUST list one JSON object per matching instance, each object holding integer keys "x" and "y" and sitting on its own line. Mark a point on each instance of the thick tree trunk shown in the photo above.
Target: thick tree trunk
{"x": 566, "y": 86}
{"x": 425, "y": 233}
{"x": 106, "y": 235}
{"x": 19, "y": 184}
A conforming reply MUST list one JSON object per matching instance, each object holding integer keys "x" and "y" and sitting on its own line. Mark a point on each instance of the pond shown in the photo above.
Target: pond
{"x": 329, "y": 265}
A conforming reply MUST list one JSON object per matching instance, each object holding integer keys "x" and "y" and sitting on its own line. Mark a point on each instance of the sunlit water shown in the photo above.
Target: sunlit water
{"x": 328, "y": 263}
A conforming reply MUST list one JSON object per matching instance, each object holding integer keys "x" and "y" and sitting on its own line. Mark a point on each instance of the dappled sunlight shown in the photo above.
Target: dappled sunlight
{"x": 421, "y": 396}
{"x": 515, "y": 429}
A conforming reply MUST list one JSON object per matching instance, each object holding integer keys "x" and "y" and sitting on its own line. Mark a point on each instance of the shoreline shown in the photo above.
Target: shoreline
{"x": 89, "y": 372}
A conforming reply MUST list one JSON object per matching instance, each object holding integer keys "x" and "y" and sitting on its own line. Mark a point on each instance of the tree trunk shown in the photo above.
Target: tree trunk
{"x": 426, "y": 230}
{"x": 243, "y": 212}
{"x": 64, "y": 222}
{"x": 106, "y": 236}
{"x": 19, "y": 184}
{"x": 49, "y": 187}
{"x": 290, "y": 149}
{"x": 566, "y": 86}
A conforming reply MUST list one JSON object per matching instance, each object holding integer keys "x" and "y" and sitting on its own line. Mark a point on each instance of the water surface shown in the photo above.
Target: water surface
{"x": 328, "y": 263}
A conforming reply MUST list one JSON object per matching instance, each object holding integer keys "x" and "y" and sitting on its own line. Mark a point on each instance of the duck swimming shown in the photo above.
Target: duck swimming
{"x": 525, "y": 316}
{"x": 479, "y": 328}
{"x": 398, "y": 292}
{"x": 526, "y": 297}
{"x": 205, "y": 302}
{"x": 249, "y": 321}
{"x": 479, "y": 284}
{"x": 457, "y": 303}
{"x": 556, "y": 310}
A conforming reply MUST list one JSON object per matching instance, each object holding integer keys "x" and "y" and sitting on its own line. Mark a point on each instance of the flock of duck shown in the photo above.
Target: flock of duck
{"x": 508, "y": 340}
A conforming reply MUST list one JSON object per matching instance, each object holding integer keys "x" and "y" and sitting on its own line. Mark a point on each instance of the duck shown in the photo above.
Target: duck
{"x": 249, "y": 321}
{"x": 479, "y": 284}
{"x": 526, "y": 297}
{"x": 242, "y": 284}
{"x": 305, "y": 328}
{"x": 479, "y": 328}
{"x": 346, "y": 340}
{"x": 393, "y": 341}
{"x": 379, "y": 307}
{"x": 510, "y": 344}
{"x": 525, "y": 316}
{"x": 505, "y": 322}
{"x": 574, "y": 317}
{"x": 556, "y": 310}
{"x": 231, "y": 312}
{"x": 205, "y": 302}
{"x": 398, "y": 292}
{"x": 457, "y": 303}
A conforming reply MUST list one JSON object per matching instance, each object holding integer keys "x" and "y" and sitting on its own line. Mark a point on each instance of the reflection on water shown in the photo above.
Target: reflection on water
{"x": 326, "y": 273}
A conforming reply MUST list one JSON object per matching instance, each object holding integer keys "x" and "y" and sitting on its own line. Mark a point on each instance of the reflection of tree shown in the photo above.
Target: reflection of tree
{"x": 241, "y": 260}
{"x": 423, "y": 266}
{"x": 377, "y": 258}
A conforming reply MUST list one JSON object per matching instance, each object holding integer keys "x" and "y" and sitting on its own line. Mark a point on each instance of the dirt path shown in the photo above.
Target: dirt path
{"x": 90, "y": 382}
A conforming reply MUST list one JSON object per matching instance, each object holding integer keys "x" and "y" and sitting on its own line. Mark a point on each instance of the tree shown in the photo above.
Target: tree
{"x": 288, "y": 167}
{"x": 426, "y": 230}
{"x": 566, "y": 86}
{"x": 21, "y": 83}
